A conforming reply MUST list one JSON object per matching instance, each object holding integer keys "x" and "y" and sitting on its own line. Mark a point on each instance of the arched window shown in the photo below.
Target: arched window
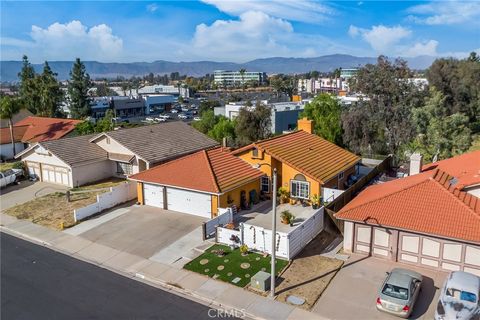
{"x": 299, "y": 187}
{"x": 299, "y": 177}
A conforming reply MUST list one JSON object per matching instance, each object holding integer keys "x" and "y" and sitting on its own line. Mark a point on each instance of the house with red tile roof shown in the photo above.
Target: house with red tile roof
{"x": 430, "y": 219}
{"x": 306, "y": 163}
{"x": 33, "y": 129}
{"x": 199, "y": 183}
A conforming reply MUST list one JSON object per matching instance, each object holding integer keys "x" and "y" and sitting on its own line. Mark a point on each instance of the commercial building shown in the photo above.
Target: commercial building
{"x": 157, "y": 103}
{"x": 234, "y": 78}
{"x": 348, "y": 73}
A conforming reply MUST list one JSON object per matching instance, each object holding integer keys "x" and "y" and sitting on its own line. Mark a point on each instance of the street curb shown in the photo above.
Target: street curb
{"x": 135, "y": 276}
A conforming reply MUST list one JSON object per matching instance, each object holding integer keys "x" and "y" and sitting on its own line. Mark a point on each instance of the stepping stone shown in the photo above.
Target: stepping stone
{"x": 203, "y": 262}
{"x": 220, "y": 268}
{"x": 206, "y": 270}
{"x": 257, "y": 258}
{"x": 226, "y": 260}
{"x": 229, "y": 274}
{"x": 245, "y": 265}
{"x": 236, "y": 280}
{"x": 215, "y": 276}
{"x": 264, "y": 269}
{"x": 295, "y": 300}
{"x": 247, "y": 276}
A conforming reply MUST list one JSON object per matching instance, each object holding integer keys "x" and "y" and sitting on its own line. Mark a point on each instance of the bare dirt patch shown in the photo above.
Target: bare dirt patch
{"x": 53, "y": 210}
{"x": 309, "y": 273}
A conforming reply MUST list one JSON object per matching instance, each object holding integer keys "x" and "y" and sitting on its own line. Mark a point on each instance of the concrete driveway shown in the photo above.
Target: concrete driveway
{"x": 353, "y": 291}
{"x": 144, "y": 231}
{"x": 15, "y": 194}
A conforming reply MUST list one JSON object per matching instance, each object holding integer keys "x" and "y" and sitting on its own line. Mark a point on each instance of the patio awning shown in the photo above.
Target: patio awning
{"x": 120, "y": 157}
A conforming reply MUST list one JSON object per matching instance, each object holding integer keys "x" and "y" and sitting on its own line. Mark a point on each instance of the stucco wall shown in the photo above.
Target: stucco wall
{"x": 113, "y": 146}
{"x": 92, "y": 172}
{"x": 43, "y": 157}
{"x": 235, "y": 194}
{"x": 6, "y": 150}
{"x": 289, "y": 173}
{"x": 348, "y": 236}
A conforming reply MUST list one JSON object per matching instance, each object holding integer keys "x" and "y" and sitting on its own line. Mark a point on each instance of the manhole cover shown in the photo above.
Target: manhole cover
{"x": 245, "y": 265}
{"x": 295, "y": 300}
{"x": 203, "y": 262}
{"x": 220, "y": 268}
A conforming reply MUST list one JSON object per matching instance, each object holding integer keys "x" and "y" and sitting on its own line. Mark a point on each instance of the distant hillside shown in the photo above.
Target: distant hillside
{"x": 10, "y": 69}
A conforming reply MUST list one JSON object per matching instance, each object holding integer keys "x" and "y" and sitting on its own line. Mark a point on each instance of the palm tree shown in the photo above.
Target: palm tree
{"x": 8, "y": 108}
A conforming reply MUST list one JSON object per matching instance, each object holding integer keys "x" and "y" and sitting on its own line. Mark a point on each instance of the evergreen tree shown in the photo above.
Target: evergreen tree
{"x": 51, "y": 95}
{"x": 78, "y": 91}
{"x": 29, "y": 90}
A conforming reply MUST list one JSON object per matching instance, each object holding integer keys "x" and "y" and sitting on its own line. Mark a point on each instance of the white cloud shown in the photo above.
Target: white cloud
{"x": 428, "y": 48}
{"x": 394, "y": 41}
{"x": 152, "y": 7}
{"x": 445, "y": 12}
{"x": 68, "y": 41}
{"x": 381, "y": 38}
{"x": 256, "y": 35}
{"x": 297, "y": 10}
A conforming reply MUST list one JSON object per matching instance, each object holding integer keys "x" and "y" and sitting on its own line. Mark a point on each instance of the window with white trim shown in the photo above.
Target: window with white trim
{"x": 265, "y": 184}
{"x": 124, "y": 168}
{"x": 341, "y": 175}
{"x": 299, "y": 189}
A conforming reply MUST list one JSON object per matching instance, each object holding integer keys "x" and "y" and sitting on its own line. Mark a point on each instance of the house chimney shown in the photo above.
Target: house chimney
{"x": 305, "y": 125}
{"x": 416, "y": 163}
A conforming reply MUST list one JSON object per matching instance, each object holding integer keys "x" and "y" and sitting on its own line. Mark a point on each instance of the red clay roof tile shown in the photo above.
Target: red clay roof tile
{"x": 44, "y": 129}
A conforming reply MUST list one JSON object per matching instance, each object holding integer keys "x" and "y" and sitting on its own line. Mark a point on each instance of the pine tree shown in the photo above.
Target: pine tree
{"x": 78, "y": 91}
{"x": 29, "y": 89}
{"x": 51, "y": 95}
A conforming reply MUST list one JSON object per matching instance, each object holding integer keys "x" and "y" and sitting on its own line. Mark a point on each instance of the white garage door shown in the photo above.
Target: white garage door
{"x": 54, "y": 174}
{"x": 153, "y": 195}
{"x": 33, "y": 169}
{"x": 199, "y": 204}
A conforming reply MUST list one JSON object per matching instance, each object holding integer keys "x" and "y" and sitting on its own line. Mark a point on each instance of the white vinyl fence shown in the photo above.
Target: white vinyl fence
{"x": 119, "y": 194}
{"x": 287, "y": 245}
{"x": 331, "y": 194}
{"x": 224, "y": 216}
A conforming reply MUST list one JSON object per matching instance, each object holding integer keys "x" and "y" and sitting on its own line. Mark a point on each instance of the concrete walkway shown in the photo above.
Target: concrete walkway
{"x": 213, "y": 293}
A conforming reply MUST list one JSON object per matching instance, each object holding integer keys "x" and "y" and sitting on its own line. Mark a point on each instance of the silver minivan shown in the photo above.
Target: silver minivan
{"x": 459, "y": 297}
{"x": 399, "y": 292}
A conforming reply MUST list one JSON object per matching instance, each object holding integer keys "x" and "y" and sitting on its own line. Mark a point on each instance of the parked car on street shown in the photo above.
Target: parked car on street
{"x": 9, "y": 176}
{"x": 150, "y": 119}
{"x": 160, "y": 119}
{"x": 197, "y": 119}
{"x": 174, "y": 111}
{"x": 183, "y": 116}
{"x": 399, "y": 292}
{"x": 459, "y": 297}
{"x": 185, "y": 109}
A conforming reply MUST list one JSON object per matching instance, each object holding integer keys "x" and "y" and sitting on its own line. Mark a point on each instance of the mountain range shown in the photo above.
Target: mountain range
{"x": 9, "y": 69}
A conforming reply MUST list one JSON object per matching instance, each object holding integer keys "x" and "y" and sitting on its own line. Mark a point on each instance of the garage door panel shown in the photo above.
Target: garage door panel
{"x": 199, "y": 204}
{"x": 153, "y": 195}
{"x": 381, "y": 237}
{"x": 410, "y": 243}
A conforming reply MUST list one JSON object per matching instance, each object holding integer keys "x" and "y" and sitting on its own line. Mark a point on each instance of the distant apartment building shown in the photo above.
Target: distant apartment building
{"x": 348, "y": 73}
{"x": 284, "y": 115}
{"x": 314, "y": 86}
{"x": 235, "y": 78}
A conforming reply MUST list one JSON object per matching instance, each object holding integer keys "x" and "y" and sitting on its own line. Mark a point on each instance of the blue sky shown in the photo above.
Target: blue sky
{"x": 238, "y": 31}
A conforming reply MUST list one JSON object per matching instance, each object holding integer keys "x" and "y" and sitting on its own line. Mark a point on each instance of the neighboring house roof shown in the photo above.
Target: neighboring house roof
{"x": 18, "y": 132}
{"x": 307, "y": 153}
{"x": 45, "y": 129}
{"x": 214, "y": 171}
{"x": 22, "y": 114}
{"x": 426, "y": 203}
{"x": 74, "y": 151}
{"x": 465, "y": 168}
{"x": 161, "y": 142}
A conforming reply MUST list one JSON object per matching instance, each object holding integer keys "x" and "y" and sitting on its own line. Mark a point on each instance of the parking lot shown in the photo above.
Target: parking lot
{"x": 143, "y": 230}
{"x": 353, "y": 291}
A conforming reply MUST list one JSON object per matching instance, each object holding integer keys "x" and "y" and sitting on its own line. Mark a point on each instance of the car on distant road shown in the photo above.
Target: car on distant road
{"x": 183, "y": 116}
{"x": 160, "y": 119}
{"x": 150, "y": 119}
{"x": 185, "y": 109}
{"x": 459, "y": 297}
{"x": 174, "y": 111}
{"x": 399, "y": 292}
{"x": 197, "y": 118}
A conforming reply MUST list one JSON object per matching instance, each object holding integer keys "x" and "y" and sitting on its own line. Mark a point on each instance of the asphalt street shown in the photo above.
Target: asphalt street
{"x": 39, "y": 283}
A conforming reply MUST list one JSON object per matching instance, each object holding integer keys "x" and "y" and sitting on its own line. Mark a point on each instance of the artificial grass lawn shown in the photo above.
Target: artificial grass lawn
{"x": 232, "y": 267}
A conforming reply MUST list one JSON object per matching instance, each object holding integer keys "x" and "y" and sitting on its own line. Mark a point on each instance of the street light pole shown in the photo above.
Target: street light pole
{"x": 274, "y": 231}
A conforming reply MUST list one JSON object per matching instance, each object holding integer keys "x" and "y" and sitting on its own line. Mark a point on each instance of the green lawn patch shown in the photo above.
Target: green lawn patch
{"x": 229, "y": 266}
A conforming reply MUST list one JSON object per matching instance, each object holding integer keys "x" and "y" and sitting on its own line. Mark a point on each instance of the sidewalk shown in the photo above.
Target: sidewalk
{"x": 217, "y": 294}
